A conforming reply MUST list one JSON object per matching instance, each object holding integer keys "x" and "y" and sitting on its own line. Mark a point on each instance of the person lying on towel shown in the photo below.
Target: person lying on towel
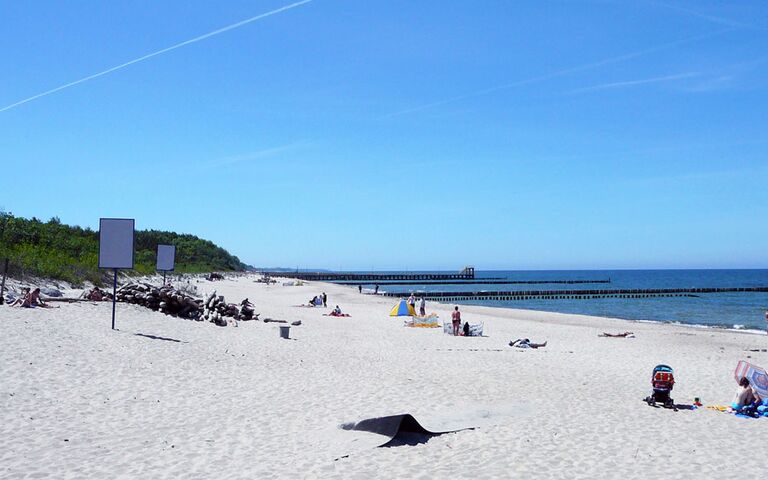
{"x": 618, "y": 335}
{"x": 525, "y": 343}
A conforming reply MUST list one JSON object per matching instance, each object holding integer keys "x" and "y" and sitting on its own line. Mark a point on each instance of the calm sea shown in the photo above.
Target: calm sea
{"x": 731, "y": 310}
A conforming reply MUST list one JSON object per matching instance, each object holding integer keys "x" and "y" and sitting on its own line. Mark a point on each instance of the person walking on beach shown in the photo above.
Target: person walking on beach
{"x": 376, "y": 290}
{"x": 359, "y": 289}
{"x": 422, "y": 306}
{"x": 456, "y": 318}
{"x": 325, "y": 300}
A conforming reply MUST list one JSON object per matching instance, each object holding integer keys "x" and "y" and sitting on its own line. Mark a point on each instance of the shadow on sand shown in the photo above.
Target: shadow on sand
{"x": 155, "y": 337}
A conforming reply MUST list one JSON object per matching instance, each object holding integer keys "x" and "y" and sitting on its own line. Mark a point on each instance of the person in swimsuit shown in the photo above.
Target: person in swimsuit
{"x": 456, "y": 319}
{"x": 525, "y": 343}
{"x": 745, "y": 396}
{"x": 33, "y": 300}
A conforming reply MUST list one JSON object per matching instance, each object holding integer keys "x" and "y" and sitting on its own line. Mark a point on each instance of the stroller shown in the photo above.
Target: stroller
{"x": 662, "y": 381}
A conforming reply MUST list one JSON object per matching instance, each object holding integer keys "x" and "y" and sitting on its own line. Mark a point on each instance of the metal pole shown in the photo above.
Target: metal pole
{"x": 114, "y": 299}
{"x": 164, "y": 277}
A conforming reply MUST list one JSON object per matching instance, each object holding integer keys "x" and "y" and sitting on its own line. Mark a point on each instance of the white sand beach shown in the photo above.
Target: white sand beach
{"x": 165, "y": 397}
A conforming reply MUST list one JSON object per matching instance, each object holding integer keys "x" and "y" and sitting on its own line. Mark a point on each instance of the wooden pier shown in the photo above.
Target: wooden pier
{"x": 468, "y": 273}
{"x": 479, "y": 281}
{"x": 573, "y": 294}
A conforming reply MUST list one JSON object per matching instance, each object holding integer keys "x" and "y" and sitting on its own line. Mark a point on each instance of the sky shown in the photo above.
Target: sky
{"x": 398, "y": 135}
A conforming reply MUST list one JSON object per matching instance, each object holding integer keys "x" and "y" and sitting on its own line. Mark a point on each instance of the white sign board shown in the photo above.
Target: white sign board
{"x": 116, "y": 243}
{"x": 166, "y": 257}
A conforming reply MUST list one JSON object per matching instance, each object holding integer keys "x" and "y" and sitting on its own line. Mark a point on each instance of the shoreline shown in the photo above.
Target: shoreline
{"x": 750, "y": 331}
{"x": 731, "y": 327}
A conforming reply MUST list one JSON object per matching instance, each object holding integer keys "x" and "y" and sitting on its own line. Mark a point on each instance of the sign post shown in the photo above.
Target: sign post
{"x": 166, "y": 259}
{"x": 116, "y": 249}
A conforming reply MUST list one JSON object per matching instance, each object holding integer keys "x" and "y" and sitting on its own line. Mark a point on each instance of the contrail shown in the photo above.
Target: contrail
{"x": 712, "y": 18}
{"x": 159, "y": 52}
{"x": 629, "y": 83}
{"x": 558, "y": 73}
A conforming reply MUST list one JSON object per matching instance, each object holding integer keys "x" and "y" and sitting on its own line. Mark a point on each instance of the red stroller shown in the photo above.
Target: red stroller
{"x": 662, "y": 381}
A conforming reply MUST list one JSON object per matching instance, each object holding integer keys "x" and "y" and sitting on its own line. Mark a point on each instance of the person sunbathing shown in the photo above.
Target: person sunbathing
{"x": 336, "y": 312}
{"x": 745, "y": 396}
{"x": 33, "y": 300}
{"x": 20, "y": 299}
{"x": 96, "y": 294}
{"x": 525, "y": 343}
{"x": 617, "y": 335}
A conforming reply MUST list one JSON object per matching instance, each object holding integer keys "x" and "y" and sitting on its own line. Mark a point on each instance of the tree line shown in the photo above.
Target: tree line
{"x": 54, "y": 250}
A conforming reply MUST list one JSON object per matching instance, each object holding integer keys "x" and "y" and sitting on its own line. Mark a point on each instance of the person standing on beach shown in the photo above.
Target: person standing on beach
{"x": 412, "y": 303}
{"x": 359, "y": 289}
{"x": 325, "y": 300}
{"x": 376, "y": 290}
{"x": 456, "y": 318}
{"x": 422, "y": 306}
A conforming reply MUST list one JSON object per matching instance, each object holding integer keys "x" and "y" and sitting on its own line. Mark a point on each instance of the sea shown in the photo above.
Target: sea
{"x": 738, "y": 310}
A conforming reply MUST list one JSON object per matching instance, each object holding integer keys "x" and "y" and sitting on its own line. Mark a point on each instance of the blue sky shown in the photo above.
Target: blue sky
{"x": 400, "y": 134}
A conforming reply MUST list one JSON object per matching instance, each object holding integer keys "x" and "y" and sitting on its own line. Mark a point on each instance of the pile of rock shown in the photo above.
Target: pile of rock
{"x": 165, "y": 299}
{"x": 218, "y": 311}
{"x": 177, "y": 303}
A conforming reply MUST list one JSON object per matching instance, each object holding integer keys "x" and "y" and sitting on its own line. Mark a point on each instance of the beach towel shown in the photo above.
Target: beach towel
{"x": 428, "y": 321}
{"x": 475, "y": 329}
{"x": 757, "y": 376}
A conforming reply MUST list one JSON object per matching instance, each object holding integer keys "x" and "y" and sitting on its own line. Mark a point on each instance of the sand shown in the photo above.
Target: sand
{"x": 172, "y": 398}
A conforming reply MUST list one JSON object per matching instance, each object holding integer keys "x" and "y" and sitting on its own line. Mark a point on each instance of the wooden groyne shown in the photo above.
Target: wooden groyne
{"x": 468, "y": 273}
{"x": 573, "y": 294}
{"x": 480, "y": 281}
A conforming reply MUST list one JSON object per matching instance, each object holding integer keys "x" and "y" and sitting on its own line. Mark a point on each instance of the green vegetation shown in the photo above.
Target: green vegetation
{"x": 54, "y": 250}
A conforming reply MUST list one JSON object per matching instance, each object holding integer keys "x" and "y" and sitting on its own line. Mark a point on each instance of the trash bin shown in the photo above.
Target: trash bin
{"x": 284, "y": 331}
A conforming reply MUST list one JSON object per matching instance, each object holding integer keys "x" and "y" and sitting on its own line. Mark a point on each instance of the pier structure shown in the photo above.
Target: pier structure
{"x": 572, "y": 294}
{"x": 468, "y": 273}
{"x": 481, "y": 281}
